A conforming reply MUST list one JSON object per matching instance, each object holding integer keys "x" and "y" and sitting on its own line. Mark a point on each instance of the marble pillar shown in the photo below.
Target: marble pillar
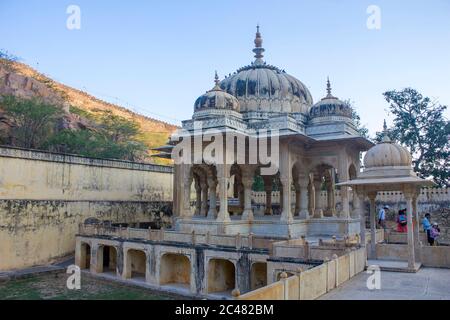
{"x": 223, "y": 178}
{"x": 286, "y": 214}
{"x": 318, "y": 211}
{"x": 212, "y": 185}
{"x": 409, "y": 218}
{"x": 303, "y": 182}
{"x": 373, "y": 242}
{"x": 247, "y": 182}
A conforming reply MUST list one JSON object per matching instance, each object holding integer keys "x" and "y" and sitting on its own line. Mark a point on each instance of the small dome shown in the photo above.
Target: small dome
{"x": 330, "y": 106}
{"x": 216, "y": 98}
{"x": 387, "y": 154}
{"x": 263, "y": 87}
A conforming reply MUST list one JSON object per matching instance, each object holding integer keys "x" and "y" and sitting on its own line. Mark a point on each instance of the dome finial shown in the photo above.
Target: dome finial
{"x": 328, "y": 86}
{"x": 216, "y": 81}
{"x": 385, "y": 133}
{"x": 258, "y": 50}
{"x": 216, "y": 78}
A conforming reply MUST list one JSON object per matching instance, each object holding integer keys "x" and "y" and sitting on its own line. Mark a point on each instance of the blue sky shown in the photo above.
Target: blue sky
{"x": 157, "y": 57}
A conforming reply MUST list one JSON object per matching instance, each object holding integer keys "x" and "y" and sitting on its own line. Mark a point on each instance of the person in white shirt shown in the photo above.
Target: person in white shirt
{"x": 382, "y": 216}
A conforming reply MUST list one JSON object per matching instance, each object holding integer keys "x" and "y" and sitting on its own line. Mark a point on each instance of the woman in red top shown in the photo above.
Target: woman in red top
{"x": 401, "y": 221}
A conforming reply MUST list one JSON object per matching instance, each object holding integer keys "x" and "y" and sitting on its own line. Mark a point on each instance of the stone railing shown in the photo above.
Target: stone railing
{"x": 391, "y": 236}
{"x": 314, "y": 282}
{"x": 379, "y": 236}
{"x": 234, "y": 241}
{"x": 426, "y": 195}
{"x": 301, "y": 249}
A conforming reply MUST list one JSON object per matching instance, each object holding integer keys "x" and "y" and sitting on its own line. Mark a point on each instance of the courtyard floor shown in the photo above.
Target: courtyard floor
{"x": 52, "y": 286}
{"x": 428, "y": 283}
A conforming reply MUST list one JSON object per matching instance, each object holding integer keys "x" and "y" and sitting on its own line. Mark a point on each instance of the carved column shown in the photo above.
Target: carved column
{"x": 223, "y": 178}
{"x": 212, "y": 184}
{"x": 204, "y": 206}
{"x": 198, "y": 199}
{"x": 409, "y": 195}
{"x": 247, "y": 182}
{"x": 187, "y": 195}
{"x": 297, "y": 193}
{"x": 331, "y": 201}
{"x": 344, "y": 176}
{"x": 318, "y": 211}
{"x": 372, "y": 195}
{"x": 358, "y": 196}
{"x": 345, "y": 213}
{"x": 417, "y": 242}
{"x": 356, "y": 204}
{"x": 311, "y": 196}
{"x": 286, "y": 214}
{"x": 268, "y": 190}
{"x": 297, "y": 199}
{"x": 303, "y": 182}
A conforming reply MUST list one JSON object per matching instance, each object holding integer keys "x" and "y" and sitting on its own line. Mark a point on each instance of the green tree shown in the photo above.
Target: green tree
{"x": 118, "y": 129}
{"x": 32, "y": 121}
{"x": 123, "y": 134}
{"x": 83, "y": 142}
{"x": 420, "y": 125}
{"x": 362, "y": 129}
{"x": 112, "y": 137}
{"x": 258, "y": 183}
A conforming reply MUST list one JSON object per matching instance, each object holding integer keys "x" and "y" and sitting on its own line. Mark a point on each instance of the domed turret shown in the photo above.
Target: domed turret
{"x": 330, "y": 106}
{"x": 388, "y": 167}
{"x": 262, "y": 87}
{"x": 387, "y": 154}
{"x": 216, "y": 98}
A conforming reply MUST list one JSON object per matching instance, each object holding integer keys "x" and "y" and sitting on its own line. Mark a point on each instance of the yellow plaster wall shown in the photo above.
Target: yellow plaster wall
{"x": 175, "y": 268}
{"x": 44, "y": 196}
{"x": 221, "y": 275}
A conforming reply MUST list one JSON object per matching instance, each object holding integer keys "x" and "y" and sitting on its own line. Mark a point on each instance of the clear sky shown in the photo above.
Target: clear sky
{"x": 157, "y": 57}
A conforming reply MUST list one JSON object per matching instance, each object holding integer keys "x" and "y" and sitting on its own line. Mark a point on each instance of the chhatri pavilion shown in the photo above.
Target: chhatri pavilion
{"x": 258, "y": 132}
{"x": 315, "y": 146}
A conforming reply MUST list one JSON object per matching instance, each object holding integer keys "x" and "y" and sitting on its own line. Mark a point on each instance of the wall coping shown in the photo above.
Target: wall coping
{"x": 41, "y": 155}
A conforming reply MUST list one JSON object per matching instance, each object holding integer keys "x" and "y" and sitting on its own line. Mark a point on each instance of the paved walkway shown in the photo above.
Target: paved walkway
{"x": 428, "y": 283}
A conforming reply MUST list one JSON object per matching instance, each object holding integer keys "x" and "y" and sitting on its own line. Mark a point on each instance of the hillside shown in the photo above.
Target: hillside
{"x": 21, "y": 80}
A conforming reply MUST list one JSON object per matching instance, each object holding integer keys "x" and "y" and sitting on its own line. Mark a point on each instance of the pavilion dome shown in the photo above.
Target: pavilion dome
{"x": 387, "y": 154}
{"x": 330, "y": 106}
{"x": 263, "y": 87}
{"x": 216, "y": 98}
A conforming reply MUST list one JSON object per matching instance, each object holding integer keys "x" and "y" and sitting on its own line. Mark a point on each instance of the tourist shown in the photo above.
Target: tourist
{"x": 435, "y": 232}
{"x": 402, "y": 223}
{"x": 427, "y": 228}
{"x": 382, "y": 217}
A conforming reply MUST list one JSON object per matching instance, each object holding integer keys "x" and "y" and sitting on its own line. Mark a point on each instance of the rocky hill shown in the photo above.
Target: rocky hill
{"x": 21, "y": 80}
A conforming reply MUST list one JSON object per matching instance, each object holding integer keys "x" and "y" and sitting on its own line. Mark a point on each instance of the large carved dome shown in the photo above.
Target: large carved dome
{"x": 263, "y": 87}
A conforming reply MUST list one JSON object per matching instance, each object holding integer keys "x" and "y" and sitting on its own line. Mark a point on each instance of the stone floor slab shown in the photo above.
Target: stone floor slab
{"x": 426, "y": 284}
